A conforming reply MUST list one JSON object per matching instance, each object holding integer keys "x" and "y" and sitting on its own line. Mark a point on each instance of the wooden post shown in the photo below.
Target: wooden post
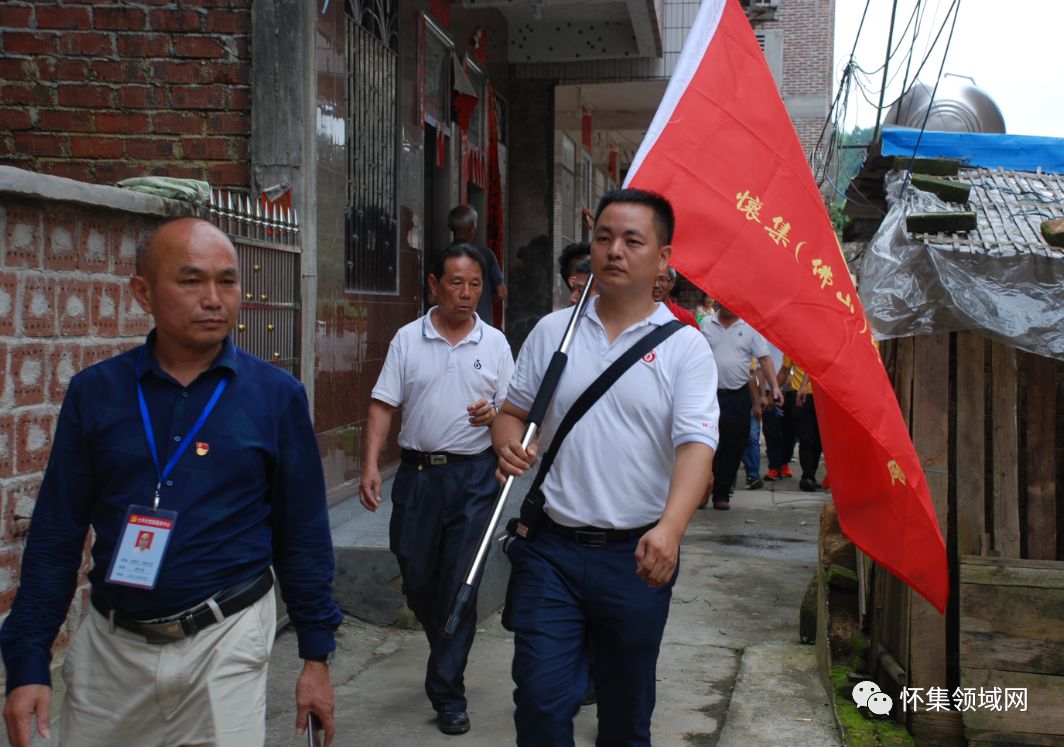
{"x": 1005, "y": 501}
{"x": 971, "y": 442}
{"x": 1041, "y": 458}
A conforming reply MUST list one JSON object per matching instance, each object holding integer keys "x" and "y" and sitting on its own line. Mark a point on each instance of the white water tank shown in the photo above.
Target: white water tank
{"x": 959, "y": 106}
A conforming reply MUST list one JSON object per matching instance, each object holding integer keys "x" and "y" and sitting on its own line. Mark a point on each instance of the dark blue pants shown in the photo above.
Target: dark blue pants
{"x": 752, "y": 453}
{"x": 564, "y": 596}
{"x": 438, "y": 515}
{"x": 804, "y": 425}
{"x": 734, "y": 433}
{"x": 779, "y": 435}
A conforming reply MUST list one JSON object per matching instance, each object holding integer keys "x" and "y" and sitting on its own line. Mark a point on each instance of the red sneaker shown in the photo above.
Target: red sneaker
{"x": 785, "y": 471}
{"x": 772, "y": 475}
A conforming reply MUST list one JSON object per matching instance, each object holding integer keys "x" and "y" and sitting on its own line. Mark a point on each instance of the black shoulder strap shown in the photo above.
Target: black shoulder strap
{"x": 598, "y": 387}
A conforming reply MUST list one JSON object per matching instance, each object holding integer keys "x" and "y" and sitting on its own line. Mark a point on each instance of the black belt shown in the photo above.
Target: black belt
{"x": 435, "y": 459}
{"x": 228, "y": 602}
{"x": 595, "y": 537}
{"x": 731, "y": 391}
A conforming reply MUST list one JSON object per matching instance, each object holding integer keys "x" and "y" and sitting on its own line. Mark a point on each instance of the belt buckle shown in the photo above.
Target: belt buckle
{"x": 590, "y": 538}
{"x": 437, "y": 459}
{"x": 169, "y": 632}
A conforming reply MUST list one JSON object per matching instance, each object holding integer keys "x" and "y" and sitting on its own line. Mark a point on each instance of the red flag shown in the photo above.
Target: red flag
{"x": 753, "y": 232}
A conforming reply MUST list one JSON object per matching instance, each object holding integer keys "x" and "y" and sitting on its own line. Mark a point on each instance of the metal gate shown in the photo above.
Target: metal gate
{"x": 372, "y": 229}
{"x": 268, "y": 249}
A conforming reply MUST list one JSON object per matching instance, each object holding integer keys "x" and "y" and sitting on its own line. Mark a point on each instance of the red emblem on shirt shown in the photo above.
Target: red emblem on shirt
{"x": 202, "y": 448}
{"x": 649, "y": 357}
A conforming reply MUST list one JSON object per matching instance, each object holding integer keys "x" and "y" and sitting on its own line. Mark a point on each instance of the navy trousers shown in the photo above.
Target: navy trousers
{"x": 565, "y": 595}
{"x": 438, "y": 515}
{"x": 734, "y": 433}
{"x": 779, "y": 433}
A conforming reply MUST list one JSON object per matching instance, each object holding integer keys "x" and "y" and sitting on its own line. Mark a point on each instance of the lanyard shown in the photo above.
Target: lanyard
{"x": 150, "y": 434}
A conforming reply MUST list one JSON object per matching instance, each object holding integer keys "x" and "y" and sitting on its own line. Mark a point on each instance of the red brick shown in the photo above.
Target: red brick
{"x": 94, "y": 247}
{"x": 144, "y": 45}
{"x": 21, "y": 42}
{"x": 228, "y": 72}
{"x": 33, "y": 440}
{"x": 141, "y": 97}
{"x": 206, "y": 148}
{"x": 66, "y": 120}
{"x": 198, "y": 97}
{"x": 112, "y": 172}
{"x": 135, "y": 321}
{"x": 12, "y": 68}
{"x": 64, "y": 361}
{"x": 240, "y": 98}
{"x": 15, "y": 17}
{"x": 228, "y": 123}
{"x": 175, "y": 123}
{"x": 229, "y": 174}
{"x": 7, "y": 440}
{"x": 177, "y": 171}
{"x": 74, "y": 305}
{"x": 60, "y": 240}
{"x": 52, "y": 69}
{"x": 228, "y": 22}
{"x": 119, "y": 19}
{"x": 121, "y": 122}
{"x": 39, "y": 144}
{"x": 92, "y": 146}
{"x": 38, "y": 306}
{"x": 78, "y": 170}
{"x": 23, "y": 234}
{"x": 89, "y": 96}
{"x": 9, "y": 576}
{"x": 63, "y": 18}
{"x": 88, "y": 44}
{"x": 8, "y": 305}
{"x": 125, "y": 71}
{"x": 180, "y": 72}
{"x": 15, "y": 119}
{"x": 106, "y": 306}
{"x": 175, "y": 20}
{"x": 198, "y": 46}
{"x": 123, "y": 242}
{"x": 29, "y": 368}
{"x": 151, "y": 149}
{"x": 20, "y": 496}
{"x": 93, "y": 354}
{"x": 19, "y": 95}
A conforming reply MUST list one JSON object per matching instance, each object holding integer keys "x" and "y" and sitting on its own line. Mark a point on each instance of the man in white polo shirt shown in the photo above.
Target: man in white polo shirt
{"x": 735, "y": 344}
{"x": 619, "y": 495}
{"x": 448, "y": 371}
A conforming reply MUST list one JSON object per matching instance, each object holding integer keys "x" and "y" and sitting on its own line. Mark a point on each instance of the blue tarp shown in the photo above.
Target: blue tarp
{"x": 990, "y": 151}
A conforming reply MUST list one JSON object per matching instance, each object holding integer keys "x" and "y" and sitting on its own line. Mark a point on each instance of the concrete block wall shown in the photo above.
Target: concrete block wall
{"x": 100, "y": 92}
{"x": 64, "y": 305}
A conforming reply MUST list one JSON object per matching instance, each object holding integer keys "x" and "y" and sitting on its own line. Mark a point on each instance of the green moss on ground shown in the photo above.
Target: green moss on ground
{"x": 859, "y": 731}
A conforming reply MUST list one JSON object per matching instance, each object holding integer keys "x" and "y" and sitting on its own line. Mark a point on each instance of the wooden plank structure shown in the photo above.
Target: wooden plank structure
{"x": 987, "y": 422}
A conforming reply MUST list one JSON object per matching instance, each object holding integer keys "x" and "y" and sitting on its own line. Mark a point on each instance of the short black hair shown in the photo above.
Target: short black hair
{"x": 664, "y": 218}
{"x": 570, "y": 255}
{"x": 583, "y": 267}
{"x": 459, "y": 249}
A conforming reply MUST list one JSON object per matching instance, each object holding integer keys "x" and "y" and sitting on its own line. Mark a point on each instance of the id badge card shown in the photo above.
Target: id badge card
{"x": 142, "y": 547}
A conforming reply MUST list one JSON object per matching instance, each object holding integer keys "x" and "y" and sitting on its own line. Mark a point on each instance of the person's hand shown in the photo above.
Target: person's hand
{"x": 369, "y": 487}
{"x": 656, "y": 555}
{"x": 799, "y": 399}
{"x": 23, "y": 703}
{"x": 757, "y": 409}
{"x": 314, "y": 694}
{"x": 777, "y": 397}
{"x": 481, "y": 413}
{"x": 513, "y": 460}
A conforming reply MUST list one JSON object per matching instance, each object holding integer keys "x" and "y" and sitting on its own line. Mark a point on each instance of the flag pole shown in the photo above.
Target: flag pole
{"x": 535, "y": 418}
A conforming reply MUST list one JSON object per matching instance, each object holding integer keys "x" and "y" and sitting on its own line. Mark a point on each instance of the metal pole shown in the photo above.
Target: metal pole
{"x": 535, "y": 417}
{"x": 886, "y": 66}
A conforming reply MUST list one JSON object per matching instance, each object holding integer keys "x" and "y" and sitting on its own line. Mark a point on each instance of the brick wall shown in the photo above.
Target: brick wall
{"x": 99, "y": 91}
{"x": 64, "y": 305}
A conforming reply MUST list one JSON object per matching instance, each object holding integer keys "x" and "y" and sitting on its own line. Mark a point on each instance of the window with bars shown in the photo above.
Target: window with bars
{"x": 372, "y": 230}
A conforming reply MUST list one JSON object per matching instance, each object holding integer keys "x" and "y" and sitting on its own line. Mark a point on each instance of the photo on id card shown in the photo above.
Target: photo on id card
{"x": 141, "y": 548}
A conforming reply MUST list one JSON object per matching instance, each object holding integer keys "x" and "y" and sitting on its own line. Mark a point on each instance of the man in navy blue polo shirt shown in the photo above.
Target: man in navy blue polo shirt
{"x": 172, "y": 438}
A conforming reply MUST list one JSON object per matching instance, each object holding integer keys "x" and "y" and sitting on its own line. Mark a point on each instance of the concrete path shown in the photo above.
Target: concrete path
{"x": 731, "y": 670}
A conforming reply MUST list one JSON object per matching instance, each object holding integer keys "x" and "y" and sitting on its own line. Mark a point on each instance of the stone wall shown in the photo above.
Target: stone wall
{"x": 99, "y": 92}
